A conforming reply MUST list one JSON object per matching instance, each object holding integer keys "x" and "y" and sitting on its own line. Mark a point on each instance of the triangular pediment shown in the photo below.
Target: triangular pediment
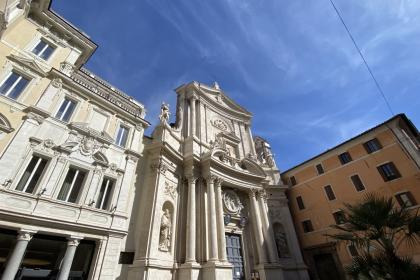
{"x": 30, "y": 63}
{"x": 219, "y": 96}
{"x": 215, "y": 96}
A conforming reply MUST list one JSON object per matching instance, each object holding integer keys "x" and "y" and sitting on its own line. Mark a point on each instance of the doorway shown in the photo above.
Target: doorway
{"x": 235, "y": 256}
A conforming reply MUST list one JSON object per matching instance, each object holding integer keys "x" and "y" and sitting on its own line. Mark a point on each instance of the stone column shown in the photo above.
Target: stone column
{"x": 72, "y": 244}
{"x": 267, "y": 230}
{"x": 220, "y": 222}
{"x": 256, "y": 221}
{"x": 191, "y": 222}
{"x": 192, "y": 116}
{"x": 15, "y": 259}
{"x": 213, "y": 254}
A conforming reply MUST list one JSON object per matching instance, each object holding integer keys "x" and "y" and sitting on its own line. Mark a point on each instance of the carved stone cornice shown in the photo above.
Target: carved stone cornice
{"x": 84, "y": 129}
{"x": 36, "y": 114}
{"x": 89, "y": 81}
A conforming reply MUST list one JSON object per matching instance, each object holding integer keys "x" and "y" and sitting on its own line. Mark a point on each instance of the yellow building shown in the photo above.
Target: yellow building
{"x": 384, "y": 159}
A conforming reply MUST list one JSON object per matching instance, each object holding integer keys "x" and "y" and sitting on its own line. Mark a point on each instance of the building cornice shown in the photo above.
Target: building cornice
{"x": 83, "y": 83}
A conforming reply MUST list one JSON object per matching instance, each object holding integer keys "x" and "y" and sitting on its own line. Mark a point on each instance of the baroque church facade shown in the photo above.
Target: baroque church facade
{"x": 85, "y": 195}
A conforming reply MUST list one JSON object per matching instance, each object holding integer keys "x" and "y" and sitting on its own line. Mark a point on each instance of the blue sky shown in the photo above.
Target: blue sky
{"x": 288, "y": 62}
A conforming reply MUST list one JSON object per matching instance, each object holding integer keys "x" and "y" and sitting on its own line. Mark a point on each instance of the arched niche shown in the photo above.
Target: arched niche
{"x": 280, "y": 237}
{"x": 166, "y": 227}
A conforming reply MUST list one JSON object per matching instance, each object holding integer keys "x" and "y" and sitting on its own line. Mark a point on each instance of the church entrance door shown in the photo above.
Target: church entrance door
{"x": 234, "y": 254}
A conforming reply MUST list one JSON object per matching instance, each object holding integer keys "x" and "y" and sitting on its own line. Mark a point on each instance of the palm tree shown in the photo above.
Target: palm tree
{"x": 377, "y": 229}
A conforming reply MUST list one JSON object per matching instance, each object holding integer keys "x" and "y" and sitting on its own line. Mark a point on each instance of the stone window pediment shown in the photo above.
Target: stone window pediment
{"x": 5, "y": 125}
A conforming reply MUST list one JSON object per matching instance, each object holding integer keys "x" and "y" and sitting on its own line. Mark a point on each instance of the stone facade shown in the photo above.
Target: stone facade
{"x": 35, "y": 206}
{"x": 205, "y": 173}
{"x": 84, "y": 194}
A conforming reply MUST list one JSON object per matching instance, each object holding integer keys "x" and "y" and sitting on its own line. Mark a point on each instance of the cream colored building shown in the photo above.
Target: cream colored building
{"x": 83, "y": 194}
{"x": 69, "y": 147}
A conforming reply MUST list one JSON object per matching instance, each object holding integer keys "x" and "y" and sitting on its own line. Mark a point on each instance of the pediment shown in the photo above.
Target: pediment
{"x": 100, "y": 158}
{"x": 84, "y": 129}
{"x": 5, "y": 124}
{"x": 252, "y": 167}
{"x": 30, "y": 63}
{"x": 218, "y": 96}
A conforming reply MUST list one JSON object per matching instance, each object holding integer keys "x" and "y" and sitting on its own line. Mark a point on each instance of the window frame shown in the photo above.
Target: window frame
{"x": 48, "y": 43}
{"x": 7, "y": 75}
{"x": 293, "y": 181}
{"x": 320, "y": 170}
{"x": 332, "y": 192}
{"x": 83, "y": 188}
{"x": 335, "y": 216}
{"x": 298, "y": 204}
{"x": 129, "y": 129}
{"x": 355, "y": 187}
{"x": 410, "y": 197}
{"x": 341, "y": 158}
{"x": 111, "y": 195}
{"x": 76, "y": 105}
{"x": 310, "y": 225}
{"x": 368, "y": 147}
{"x": 383, "y": 175}
{"x": 22, "y": 168}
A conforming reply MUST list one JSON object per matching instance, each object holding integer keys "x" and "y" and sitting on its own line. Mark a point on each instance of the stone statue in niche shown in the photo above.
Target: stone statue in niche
{"x": 164, "y": 113}
{"x": 165, "y": 231}
{"x": 281, "y": 241}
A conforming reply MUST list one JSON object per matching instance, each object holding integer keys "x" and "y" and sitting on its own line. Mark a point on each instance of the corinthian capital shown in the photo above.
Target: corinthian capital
{"x": 253, "y": 192}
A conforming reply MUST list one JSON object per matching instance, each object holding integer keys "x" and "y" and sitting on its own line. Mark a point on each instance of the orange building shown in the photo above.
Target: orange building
{"x": 384, "y": 159}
